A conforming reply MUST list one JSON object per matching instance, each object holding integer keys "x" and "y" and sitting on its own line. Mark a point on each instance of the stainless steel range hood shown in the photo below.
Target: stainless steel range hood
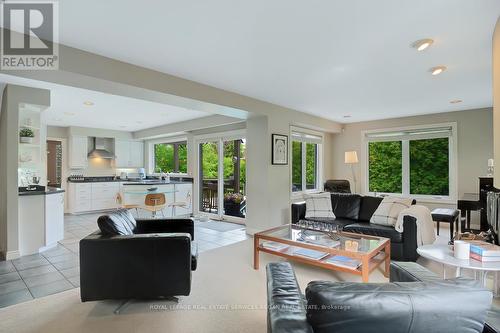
{"x": 100, "y": 151}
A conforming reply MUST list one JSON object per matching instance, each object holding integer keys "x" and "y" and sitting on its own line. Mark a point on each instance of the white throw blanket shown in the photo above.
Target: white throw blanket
{"x": 425, "y": 224}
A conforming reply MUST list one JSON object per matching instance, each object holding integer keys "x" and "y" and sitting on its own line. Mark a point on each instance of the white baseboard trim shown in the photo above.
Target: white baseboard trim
{"x": 12, "y": 255}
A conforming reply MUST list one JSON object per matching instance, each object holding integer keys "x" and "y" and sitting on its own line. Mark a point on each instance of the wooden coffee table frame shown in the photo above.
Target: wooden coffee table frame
{"x": 369, "y": 262}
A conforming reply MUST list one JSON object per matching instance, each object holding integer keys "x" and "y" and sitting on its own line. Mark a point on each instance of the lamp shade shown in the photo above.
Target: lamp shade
{"x": 351, "y": 157}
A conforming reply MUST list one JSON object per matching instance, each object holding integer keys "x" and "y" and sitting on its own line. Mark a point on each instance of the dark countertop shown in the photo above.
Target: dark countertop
{"x": 150, "y": 181}
{"x": 159, "y": 182}
{"x": 41, "y": 190}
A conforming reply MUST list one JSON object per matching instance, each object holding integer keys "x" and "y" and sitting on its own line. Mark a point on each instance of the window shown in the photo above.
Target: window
{"x": 305, "y": 161}
{"x": 171, "y": 157}
{"x": 413, "y": 162}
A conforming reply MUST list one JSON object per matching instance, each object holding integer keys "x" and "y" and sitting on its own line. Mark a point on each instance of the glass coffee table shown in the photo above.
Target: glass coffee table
{"x": 294, "y": 242}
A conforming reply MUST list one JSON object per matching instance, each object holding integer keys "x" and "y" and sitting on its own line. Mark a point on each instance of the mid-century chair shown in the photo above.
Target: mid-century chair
{"x": 155, "y": 202}
{"x": 119, "y": 202}
{"x": 185, "y": 203}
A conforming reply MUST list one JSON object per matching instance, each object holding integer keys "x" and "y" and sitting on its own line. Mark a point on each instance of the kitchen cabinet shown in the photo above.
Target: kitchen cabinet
{"x": 85, "y": 197}
{"x": 104, "y": 195}
{"x": 78, "y": 150}
{"x": 79, "y": 197}
{"x": 137, "y": 154}
{"x": 122, "y": 153}
{"x": 129, "y": 154}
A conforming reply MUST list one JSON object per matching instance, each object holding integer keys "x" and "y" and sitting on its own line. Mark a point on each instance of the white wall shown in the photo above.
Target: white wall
{"x": 475, "y": 144}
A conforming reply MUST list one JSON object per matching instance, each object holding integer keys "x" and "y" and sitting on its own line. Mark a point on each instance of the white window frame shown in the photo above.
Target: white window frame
{"x": 319, "y": 160}
{"x": 453, "y": 164}
{"x": 166, "y": 140}
{"x": 219, "y": 138}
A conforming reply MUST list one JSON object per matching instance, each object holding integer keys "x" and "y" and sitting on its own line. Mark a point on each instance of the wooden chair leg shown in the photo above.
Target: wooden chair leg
{"x": 437, "y": 227}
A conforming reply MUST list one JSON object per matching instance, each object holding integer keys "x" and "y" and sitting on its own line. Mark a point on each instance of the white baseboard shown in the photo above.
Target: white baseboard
{"x": 12, "y": 255}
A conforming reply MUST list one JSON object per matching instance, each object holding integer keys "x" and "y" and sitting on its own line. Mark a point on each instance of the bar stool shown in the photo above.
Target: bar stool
{"x": 183, "y": 204}
{"x": 119, "y": 202}
{"x": 155, "y": 202}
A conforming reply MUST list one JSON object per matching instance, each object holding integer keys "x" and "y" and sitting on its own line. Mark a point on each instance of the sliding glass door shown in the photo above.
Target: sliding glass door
{"x": 222, "y": 171}
{"x": 209, "y": 177}
{"x": 235, "y": 178}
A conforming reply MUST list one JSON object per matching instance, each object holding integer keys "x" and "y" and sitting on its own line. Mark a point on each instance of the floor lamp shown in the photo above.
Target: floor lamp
{"x": 351, "y": 157}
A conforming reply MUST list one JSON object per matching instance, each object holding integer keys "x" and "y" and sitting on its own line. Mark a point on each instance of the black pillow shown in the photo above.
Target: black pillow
{"x": 120, "y": 222}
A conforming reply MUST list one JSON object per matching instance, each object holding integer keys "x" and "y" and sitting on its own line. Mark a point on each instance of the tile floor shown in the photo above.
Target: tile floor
{"x": 57, "y": 269}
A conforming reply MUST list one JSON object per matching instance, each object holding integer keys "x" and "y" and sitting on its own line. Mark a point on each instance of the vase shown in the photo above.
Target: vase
{"x": 25, "y": 139}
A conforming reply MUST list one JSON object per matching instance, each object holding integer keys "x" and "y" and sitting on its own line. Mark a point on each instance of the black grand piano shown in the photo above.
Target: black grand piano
{"x": 475, "y": 202}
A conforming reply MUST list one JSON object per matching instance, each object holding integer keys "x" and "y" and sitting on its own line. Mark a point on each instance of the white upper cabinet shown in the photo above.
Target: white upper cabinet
{"x": 129, "y": 154}
{"x": 137, "y": 154}
{"x": 78, "y": 150}
{"x": 122, "y": 153}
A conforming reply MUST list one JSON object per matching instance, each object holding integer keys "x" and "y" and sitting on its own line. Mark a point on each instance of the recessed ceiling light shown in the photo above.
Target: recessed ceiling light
{"x": 69, "y": 113}
{"x": 88, "y": 103}
{"x": 437, "y": 70}
{"x": 456, "y": 101}
{"x": 422, "y": 44}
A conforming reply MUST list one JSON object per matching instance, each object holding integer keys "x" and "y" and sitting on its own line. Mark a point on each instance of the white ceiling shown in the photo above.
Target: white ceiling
{"x": 329, "y": 58}
{"x": 108, "y": 112}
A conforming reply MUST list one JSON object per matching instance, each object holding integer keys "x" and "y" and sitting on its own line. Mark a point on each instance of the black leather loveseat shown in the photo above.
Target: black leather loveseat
{"x": 137, "y": 259}
{"x": 353, "y": 213}
{"x": 419, "y": 302}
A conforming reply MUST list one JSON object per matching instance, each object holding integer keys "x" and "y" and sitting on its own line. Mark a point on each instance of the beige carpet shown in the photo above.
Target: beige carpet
{"x": 224, "y": 282}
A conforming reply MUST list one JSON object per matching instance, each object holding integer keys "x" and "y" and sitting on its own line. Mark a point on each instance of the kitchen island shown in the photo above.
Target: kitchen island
{"x": 41, "y": 219}
{"x": 100, "y": 193}
{"x": 179, "y": 192}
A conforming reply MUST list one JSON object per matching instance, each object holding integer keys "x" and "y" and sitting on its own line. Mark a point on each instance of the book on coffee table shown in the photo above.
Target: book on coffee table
{"x": 344, "y": 261}
{"x": 484, "y": 249}
{"x": 274, "y": 246}
{"x": 311, "y": 254}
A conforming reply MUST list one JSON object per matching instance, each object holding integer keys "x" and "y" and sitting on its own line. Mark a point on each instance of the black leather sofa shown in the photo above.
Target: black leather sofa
{"x": 137, "y": 259}
{"x": 353, "y": 213}
{"x": 420, "y": 303}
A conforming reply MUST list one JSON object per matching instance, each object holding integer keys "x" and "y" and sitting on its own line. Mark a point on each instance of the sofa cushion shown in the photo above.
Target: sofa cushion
{"x": 346, "y": 205}
{"x": 397, "y": 307}
{"x": 341, "y": 222}
{"x": 388, "y": 211}
{"x": 120, "y": 222}
{"x": 375, "y": 230}
{"x": 319, "y": 205}
{"x": 368, "y": 206}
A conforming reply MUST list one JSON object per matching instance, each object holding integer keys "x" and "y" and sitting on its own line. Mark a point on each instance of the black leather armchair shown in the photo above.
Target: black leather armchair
{"x": 337, "y": 186}
{"x": 143, "y": 259}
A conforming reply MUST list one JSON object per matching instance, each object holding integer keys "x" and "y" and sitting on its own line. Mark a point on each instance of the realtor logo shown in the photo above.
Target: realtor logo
{"x": 30, "y": 35}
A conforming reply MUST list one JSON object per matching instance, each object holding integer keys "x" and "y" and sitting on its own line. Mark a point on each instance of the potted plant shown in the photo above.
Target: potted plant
{"x": 234, "y": 203}
{"x": 26, "y": 135}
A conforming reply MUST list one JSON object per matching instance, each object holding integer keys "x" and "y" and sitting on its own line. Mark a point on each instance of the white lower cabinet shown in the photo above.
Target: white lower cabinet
{"x": 84, "y": 197}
